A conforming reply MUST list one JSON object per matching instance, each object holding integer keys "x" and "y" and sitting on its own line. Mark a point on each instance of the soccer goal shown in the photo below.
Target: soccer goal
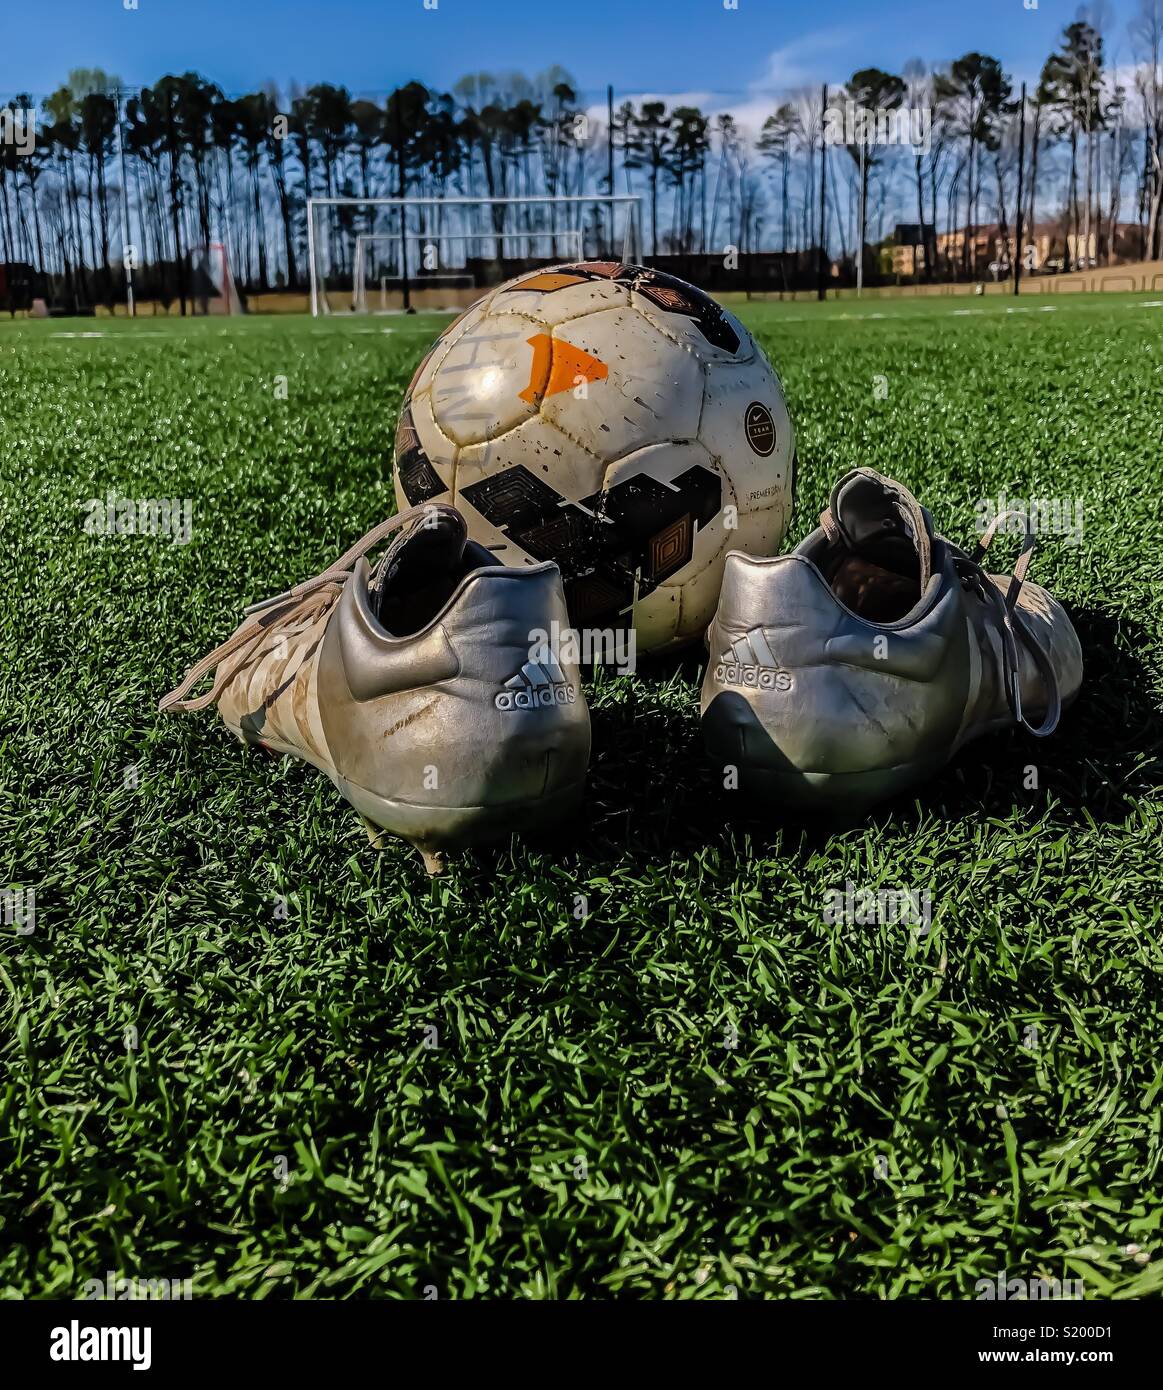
{"x": 392, "y": 255}
{"x": 212, "y": 287}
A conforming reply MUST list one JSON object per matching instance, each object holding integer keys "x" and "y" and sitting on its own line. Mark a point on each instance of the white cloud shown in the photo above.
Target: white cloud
{"x": 804, "y": 62}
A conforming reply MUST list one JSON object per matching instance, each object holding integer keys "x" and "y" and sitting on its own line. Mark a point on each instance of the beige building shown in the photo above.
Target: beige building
{"x": 989, "y": 245}
{"x": 1043, "y": 248}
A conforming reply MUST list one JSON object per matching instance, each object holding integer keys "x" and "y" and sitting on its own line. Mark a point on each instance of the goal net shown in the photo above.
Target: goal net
{"x": 392, "y": 255}
{"x": 212, "y": 287}
{"x": 384, "y": 264}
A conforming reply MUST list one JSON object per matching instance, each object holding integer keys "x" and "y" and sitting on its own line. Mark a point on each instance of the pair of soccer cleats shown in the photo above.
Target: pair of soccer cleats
{"x": 426, "y": 687}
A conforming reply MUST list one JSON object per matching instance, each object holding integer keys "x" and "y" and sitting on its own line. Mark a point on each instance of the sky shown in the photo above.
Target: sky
{"x": 694, "y": 47}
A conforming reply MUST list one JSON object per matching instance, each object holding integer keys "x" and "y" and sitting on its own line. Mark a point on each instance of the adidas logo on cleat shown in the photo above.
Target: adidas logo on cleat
{"x": 537, "y": 685}
{"x": 754, "y": 677}
{"x": 749, "y": 662}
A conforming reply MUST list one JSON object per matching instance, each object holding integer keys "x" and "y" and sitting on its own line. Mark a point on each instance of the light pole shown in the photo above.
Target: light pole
{"x": 821, "y": 272}
{"x": 860, "y": 239}
{"x": 1021, "y": 177}
{"x": 128, "y": 254}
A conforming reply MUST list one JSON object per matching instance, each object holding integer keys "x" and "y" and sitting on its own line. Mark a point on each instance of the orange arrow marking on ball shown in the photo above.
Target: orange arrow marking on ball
{"x": 558, "y": 366}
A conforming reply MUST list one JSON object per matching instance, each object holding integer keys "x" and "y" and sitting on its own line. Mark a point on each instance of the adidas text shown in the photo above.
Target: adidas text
{"x": 756, "y": 677}
{"x": 539, "y": 684}
{"x": 536, "y": 699}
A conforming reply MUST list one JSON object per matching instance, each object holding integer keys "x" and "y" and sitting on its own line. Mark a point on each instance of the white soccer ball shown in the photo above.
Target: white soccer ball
{"x": 616, "y": 420}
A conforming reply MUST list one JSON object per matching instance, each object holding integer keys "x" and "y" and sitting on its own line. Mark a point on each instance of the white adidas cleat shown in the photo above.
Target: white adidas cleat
{"x": 423, "y": 688}
{"x": 857, "y": 666}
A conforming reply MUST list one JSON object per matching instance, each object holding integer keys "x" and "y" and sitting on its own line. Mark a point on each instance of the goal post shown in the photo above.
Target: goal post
{"x": 442, "y": 253}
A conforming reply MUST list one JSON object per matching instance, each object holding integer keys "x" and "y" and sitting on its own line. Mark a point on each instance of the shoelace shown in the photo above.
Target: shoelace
{"x": 1013, "y": 625}
{"x": 271, "y": 617}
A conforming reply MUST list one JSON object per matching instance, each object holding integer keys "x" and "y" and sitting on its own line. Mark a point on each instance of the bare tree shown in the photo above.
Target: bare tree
{"x": 1147, "y": 35}
{"x": 921, "y": 95}
{"x": 807, "y": 109}
{"x": 775, "y": 143}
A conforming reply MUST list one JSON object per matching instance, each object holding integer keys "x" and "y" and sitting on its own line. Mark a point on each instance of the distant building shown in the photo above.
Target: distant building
{"x": 990, "y": 246}
{"x": 908, "y": 247}
{"x": 1044, "y": 247}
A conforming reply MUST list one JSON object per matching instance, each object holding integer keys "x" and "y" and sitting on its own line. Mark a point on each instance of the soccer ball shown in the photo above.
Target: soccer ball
{"x": 613, "y": 419}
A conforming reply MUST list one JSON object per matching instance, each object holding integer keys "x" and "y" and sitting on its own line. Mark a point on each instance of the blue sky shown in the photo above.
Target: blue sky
{"x": 663, "y": 46}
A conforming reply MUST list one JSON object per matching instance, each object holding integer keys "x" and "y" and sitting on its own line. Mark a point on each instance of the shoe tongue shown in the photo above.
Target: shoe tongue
{"x": 881, "y": 521}
{"x": 419, "y": 571}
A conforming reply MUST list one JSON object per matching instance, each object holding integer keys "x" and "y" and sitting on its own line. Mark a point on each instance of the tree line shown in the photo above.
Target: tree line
{"x": 180, "y": 164}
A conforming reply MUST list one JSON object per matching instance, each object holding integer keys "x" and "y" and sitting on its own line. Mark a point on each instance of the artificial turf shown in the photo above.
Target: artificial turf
{"x": 244, "y": 1048}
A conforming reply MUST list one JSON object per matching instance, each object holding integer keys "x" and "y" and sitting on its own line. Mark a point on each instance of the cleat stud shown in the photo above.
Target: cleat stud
{"x": 434, "y": 861}
{"x": 375, "y": 834}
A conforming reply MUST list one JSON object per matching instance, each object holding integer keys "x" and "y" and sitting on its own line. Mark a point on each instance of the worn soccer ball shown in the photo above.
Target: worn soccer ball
{"x": 613, "y": 419}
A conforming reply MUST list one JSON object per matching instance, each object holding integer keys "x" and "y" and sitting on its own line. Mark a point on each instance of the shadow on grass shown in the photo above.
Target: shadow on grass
{"x": 1101, "y": 760}
{"x": 652, "y": 793}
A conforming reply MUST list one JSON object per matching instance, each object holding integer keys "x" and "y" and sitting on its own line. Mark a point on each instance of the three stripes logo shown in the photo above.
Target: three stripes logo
{"x": 749, "y": 662}
{"x": 539, "y": 684}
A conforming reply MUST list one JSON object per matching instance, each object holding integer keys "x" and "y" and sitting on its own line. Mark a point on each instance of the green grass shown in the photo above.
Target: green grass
{"x": 581, "y": 1129}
